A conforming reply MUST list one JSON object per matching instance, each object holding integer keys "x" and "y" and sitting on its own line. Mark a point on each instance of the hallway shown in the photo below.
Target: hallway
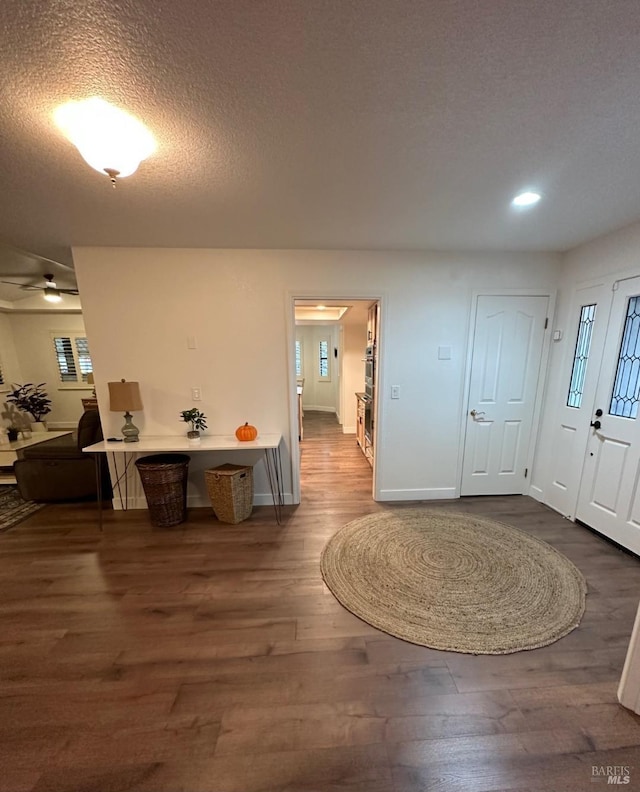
{"x": 333, "y": 468}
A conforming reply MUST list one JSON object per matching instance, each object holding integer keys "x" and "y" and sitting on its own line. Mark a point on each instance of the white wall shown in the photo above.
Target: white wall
{"x": 34, "y": 350}
{"x": 10, "y": 368}
{"x": 238, "y": 305}
{"x": 612, "y": 256}
{"x": 319, "y": 394}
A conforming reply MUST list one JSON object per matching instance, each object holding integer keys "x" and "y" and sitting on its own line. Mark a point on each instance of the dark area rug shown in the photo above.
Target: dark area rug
{"x": 13, "y": 509}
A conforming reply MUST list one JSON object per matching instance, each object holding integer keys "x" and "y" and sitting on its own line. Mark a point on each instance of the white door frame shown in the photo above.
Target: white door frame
{"x": 544, "y": 365}
{"x": 294, "y": 443}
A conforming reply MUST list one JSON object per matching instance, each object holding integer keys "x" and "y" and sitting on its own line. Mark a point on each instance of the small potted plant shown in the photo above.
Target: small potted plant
{"x": 34, "y": 400}
{"x": 197, "y": 420}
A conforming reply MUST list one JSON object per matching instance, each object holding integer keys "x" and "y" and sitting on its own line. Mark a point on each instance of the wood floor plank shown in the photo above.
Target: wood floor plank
{"x": 550, "y": 773}
{"x": 212, "y": 658}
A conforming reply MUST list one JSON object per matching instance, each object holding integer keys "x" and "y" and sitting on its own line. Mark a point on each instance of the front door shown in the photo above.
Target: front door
{"x": 571, "y": 430}
{"x": 609, "y": 497}
{"x": 507, "y": 350}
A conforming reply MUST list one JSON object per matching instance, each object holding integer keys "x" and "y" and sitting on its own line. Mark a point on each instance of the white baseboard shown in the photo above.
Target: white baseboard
{"x": 348, "y": 430}
{"x": 196, "y": 501}
{"x": 430, "y": 493}
{"x": 316, "y": 408}
{"x": 537, "y": 493}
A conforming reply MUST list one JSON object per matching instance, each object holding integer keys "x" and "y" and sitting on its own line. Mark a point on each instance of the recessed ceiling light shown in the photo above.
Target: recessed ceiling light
{"x": 321, "y": 307}
{"x": 528, "y": 198}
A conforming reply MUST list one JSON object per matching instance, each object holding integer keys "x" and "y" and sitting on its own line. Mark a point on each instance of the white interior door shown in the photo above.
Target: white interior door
{"x": 507, "y": 349}
{"x": 609, "y": 497}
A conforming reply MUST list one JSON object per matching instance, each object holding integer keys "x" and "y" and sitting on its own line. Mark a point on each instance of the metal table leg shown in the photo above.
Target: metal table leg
{"x": 273, "y": 463}
{"x": 98, "y": 460}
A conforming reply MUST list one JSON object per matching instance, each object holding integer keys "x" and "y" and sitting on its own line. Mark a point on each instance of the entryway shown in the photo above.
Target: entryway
{"x": 595, "y": 466}
{"x": 335, "y": 352}
{"x": 609, "y": 497}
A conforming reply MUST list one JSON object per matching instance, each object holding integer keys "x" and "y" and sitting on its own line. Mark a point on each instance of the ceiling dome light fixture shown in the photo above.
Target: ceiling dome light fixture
{"x": 108, "y": 138}
{"x": 528, "y": 198}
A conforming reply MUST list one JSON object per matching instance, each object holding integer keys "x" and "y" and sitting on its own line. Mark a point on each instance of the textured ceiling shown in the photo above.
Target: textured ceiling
{"x": 403, "y": 124}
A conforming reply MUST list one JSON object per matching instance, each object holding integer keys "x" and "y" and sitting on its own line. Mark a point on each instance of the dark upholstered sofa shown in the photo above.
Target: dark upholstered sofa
{"x": 58, "y": 470}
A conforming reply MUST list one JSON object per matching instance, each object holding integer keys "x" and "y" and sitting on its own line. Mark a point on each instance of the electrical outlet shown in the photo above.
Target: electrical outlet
{"x": 395, "y": 391}
{"x": 196, "y": 394}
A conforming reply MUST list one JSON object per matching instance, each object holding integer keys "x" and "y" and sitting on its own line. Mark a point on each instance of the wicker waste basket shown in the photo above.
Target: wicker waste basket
{"x": 230, "y": 489}
{"x": 164, "y": 480}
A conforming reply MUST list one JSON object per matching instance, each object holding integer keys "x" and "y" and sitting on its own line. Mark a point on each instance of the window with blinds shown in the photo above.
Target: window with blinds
{"x": 83, "y": 356}
{"x": 72, "y": 357}
{"x": 323, "y": 360}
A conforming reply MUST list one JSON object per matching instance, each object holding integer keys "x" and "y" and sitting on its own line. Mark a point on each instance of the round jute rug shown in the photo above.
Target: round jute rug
{"x": 454, "y": 581}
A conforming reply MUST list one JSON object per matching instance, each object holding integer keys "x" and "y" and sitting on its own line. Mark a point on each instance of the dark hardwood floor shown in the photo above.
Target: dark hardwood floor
{"x": 211, "y": 658}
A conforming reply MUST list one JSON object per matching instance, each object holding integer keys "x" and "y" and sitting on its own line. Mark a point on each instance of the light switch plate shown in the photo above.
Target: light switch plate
{"x": 444, "y": 353}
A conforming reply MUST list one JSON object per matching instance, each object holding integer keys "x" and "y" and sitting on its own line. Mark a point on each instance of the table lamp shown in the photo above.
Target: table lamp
{"x": 125, "y": 397}
{"x": 91, "y": 381}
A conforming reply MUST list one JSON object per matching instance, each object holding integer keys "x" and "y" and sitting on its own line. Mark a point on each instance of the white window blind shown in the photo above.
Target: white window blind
{"x": 72, "y": 357}
{"x": 84, "y": 358}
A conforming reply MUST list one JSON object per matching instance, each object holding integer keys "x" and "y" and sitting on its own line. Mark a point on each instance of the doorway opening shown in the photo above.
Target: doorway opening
{"x": 335, "y": 357}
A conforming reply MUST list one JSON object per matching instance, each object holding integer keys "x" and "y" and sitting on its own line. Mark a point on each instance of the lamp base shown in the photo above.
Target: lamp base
{"x": 131, "y": 433}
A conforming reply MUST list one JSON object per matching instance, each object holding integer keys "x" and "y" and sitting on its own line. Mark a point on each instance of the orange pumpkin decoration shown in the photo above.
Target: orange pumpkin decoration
{"x": 246, "y": 432}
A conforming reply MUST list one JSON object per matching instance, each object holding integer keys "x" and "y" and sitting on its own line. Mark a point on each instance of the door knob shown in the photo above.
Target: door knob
{"x": 596, "y": 424}
{"x": 475, "y": 414}
{"x": 598, "y": 413}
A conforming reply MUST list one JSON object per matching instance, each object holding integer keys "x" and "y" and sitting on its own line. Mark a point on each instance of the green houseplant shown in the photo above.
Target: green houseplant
{"x": 197, "y": 419}
{"x": 31, "y": 399}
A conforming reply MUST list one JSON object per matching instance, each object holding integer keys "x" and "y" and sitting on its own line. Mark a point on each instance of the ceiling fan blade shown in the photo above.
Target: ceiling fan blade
{"x": 21, "y": 285}
{"x": 50, "y": 284}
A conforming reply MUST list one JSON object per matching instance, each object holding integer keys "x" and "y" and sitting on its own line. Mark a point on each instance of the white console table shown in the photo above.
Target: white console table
{"x": 166, "y": 444}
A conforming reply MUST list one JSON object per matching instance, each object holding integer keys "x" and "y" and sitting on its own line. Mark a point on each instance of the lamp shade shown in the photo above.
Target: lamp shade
{"x": 90, "y": 378}
{"x": 124, "y": 396}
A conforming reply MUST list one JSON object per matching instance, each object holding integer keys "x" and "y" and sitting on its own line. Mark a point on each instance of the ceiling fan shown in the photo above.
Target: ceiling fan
{"x": 51, "y": 291}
